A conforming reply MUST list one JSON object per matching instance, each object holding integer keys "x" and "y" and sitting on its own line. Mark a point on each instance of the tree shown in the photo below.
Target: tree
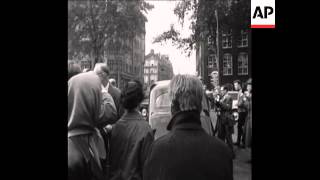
{"x": 92, "y": 22}
{"x": 232, "y": 14}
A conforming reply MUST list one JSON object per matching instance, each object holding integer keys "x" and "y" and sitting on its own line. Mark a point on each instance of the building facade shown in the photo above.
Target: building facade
{"x": 157, "y": 67}
{"x": 225, "y": 61}
{"x": 125, "y": 58}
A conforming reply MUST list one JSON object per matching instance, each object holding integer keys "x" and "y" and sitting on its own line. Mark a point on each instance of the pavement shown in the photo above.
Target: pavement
{"x": 241, "y": 166}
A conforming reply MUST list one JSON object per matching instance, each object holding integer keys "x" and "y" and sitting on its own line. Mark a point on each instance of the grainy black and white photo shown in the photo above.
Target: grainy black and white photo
{"x": 159, "y": 90}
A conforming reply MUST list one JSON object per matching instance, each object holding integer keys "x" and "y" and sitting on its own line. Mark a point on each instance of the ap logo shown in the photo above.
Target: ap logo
{"x": 262, "y": 13}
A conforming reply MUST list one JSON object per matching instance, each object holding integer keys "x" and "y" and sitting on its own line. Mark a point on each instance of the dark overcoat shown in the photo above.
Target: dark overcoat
{"x": 130, "y": 141}
{"x": 188, "y": 152}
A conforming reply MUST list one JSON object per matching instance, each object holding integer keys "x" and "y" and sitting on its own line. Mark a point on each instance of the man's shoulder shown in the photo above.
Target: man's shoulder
{"x": 114, "y": 90}
{"x": 163, "y": 140}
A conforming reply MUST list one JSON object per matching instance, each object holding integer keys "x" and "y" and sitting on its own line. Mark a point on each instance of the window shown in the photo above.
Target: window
{"x": 212, "y": 61}
{"x": 146, "y": 79}
{"x": 227, "y": 64}
{"x": 163, "y": 100}
{"x": 243, "y": 39}
{"x": 243, "y": 64}
{"x": 210, "y": 40}
{"x": 227, "y": 40}
{"x": 153, "y": 77}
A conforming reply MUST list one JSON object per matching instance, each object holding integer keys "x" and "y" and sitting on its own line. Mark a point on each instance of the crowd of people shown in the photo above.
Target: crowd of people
{"x": 222, "y": 102}
{"x": 109, "y": 139}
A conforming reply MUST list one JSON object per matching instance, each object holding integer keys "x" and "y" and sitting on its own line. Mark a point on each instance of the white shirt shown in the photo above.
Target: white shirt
{"x": 107, "y": 98}
{"x": 105, "y": 88}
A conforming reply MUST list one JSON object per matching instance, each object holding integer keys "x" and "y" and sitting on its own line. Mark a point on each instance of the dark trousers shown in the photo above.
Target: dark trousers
{"x": 225, "y": 134}
{"x": 241, "y": 122}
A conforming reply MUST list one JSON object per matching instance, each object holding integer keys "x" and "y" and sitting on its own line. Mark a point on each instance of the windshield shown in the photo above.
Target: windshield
{"x": 159, "y": 100}
{"x": 162, "y": 101}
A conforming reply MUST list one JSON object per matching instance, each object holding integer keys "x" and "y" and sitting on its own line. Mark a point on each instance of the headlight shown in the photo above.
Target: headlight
{"x": 144, "y": 112}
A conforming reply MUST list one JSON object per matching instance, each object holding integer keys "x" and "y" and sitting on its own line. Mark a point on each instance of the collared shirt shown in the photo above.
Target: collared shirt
{"x": 105, "y": 87}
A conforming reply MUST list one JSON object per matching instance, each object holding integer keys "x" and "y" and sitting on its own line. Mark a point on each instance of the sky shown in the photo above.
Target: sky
{"x": 159, "y": 20}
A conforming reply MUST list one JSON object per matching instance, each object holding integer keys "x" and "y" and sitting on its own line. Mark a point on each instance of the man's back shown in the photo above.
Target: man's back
{"x": 131, "y": 138}
{"x": 189, "y": 153}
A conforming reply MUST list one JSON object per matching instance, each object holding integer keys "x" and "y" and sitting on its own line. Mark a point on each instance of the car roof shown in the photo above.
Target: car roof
{"x": 160, "y": 85}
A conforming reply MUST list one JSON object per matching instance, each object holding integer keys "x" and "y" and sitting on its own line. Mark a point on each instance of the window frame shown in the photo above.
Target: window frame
{"x": 227, "y": 40}
{"x": 242, "y": 67}
{"x": 225, "y": 70}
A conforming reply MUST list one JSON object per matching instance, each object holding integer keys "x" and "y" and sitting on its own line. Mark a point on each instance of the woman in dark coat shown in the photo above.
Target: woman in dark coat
{"x": 187, "y": 151}
{"x": 131, "y": 136}
{"x": 88, "y": 110}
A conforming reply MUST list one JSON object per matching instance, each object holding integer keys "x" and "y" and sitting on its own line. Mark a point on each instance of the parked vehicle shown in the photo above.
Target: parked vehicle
{"x": 160, "y": 109}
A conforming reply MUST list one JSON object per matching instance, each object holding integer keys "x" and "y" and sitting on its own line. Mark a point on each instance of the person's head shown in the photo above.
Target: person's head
{"x": 132, "y": 95}
{"x": 224, "y": 89}
{"x": 112, "y": 82}
{"x": 237, "y": 85}
{"x": 73, "y": 69}
{"x": 249, "y": 85}
{"x": 84, "y": 102}
{"x": 103, "y": 72}
{"x": 185, "y": 93}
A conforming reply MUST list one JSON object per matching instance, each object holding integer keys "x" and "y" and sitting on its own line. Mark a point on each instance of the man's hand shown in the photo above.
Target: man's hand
{"x": 107, "y": 98}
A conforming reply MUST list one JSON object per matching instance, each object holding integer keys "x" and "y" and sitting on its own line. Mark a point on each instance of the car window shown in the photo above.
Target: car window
{"x": 162, "y": 101}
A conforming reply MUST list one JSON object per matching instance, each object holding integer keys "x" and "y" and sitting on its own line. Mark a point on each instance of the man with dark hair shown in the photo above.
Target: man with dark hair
{"x": 242, "y": 114}
{"x": 226, "y": 121}
{"x": 131, "y": 136}
{"x": 102, "y": 71}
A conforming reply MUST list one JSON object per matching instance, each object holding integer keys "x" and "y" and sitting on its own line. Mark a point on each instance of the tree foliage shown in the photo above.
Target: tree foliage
{"x": 232, "y": 14}
{"x": 92, "y": 22}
